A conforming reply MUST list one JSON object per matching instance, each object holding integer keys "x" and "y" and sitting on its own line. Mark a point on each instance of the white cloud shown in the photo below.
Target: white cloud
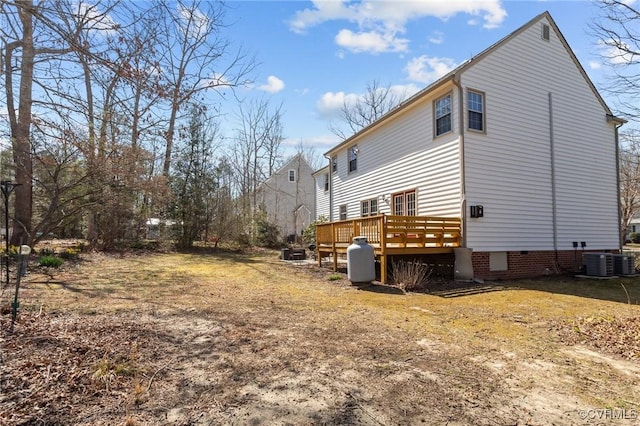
{"x": 425, "y": 69}
{"x": 193, "y": 22}
{"x": 371, "y": 41}
{"x": 273, "y": 85}
{"x": 617, "y": 52}
{"x": 369, "y": 14}
{"x": 330, "y": 103}
{"x": 594, "y": 65}
{"x": 95, "y": 19}
{"x": 436, "y": 37}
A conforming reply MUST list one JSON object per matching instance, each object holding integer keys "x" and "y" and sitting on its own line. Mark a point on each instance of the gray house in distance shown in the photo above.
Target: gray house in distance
{"x": 287, "y": 197}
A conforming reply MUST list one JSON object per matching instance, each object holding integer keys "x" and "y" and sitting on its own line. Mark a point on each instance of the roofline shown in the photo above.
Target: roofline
{"x": 469, "y": 63}
{"x": 401, "y": 107}
{"x": 320, "y": 170}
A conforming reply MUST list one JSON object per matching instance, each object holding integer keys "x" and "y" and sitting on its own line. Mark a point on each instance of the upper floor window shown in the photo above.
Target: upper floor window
{"x": 475, "y": 110}
{"x": 326, "y": 182}
{"x": 442, "y": 112}
{"x": 292, "y": 175}
{"x": 369, "y": 207}
{"x": 353, "y": 158}
{"x": 334, "y": 164}
{"x": 404, "y": 203}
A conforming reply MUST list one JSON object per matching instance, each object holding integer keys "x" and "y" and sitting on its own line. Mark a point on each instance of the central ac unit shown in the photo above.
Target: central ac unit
{"x": 598, "y": 264}
{"x": 623, "y": 264}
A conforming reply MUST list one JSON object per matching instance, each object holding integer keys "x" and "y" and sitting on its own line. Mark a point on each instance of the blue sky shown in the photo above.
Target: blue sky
{"x": 313, "y": 55}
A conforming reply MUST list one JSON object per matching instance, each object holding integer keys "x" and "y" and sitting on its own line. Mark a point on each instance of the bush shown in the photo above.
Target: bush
{"x": 46, "y": 251}
{"x": 51, "y": 261}
{"x": 70, "y": 253}
{"x": 410, "y": 276}
{"x": 635, "y": 237}
{"x": 267, "y": 234}
{"x": 309, "y": 233}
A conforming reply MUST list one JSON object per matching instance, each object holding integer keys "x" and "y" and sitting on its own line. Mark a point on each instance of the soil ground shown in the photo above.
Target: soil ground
{"x": 246, "y": 339}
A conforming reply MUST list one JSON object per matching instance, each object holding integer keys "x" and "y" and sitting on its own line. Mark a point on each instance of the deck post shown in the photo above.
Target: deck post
{"x": 333, "y": 247}
{"x": 382, "y": 226}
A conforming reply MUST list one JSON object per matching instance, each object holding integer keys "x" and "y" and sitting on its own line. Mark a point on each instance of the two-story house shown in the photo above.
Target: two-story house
{"x": 516, "y": 143}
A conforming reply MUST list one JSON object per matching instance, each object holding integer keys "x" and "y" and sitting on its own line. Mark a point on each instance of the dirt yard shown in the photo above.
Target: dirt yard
{"x": 229, "y": 339}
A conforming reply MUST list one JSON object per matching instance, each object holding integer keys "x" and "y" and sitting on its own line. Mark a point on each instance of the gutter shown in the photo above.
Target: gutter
{"x": 463, "y": 186}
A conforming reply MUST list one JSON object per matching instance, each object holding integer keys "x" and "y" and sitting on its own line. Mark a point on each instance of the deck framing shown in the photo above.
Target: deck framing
{"x": 389, "y": 235}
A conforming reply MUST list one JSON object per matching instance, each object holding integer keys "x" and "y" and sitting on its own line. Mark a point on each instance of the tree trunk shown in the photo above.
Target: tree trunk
{"x": 21, "y": 131}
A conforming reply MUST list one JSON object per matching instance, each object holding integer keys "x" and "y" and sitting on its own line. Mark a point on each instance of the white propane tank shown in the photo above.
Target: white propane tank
{"x": 361, "y": 261}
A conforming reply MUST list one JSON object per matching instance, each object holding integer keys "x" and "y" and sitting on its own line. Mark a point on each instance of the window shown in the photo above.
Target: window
{"x": 475, "y": 110}
{"x": 326, "y": 182}
{"x": 334, "y": 164}
{"x": 343, "y": 212}
{"x": 545, "y": 32}
{"x": 353, "y": 158}
{"x": 369, "y": 207}
{"x": 292, "y": 175}
{"x": 442, "y": 109}
{"x": 404, "y": 203}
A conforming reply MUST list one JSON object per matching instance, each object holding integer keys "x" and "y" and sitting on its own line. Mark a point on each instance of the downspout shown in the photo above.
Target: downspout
{"x": 463, "y": 187}
{"x": 330, "y": 190}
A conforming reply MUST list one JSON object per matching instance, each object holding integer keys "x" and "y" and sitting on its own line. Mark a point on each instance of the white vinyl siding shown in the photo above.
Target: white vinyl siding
{"x": 403, "y": 155}
{"x": 509, "y": 170}
{"x": 322, "y": 196}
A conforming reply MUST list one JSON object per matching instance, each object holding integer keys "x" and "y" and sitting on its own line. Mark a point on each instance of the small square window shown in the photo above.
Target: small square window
{"x": 292, "y": 175}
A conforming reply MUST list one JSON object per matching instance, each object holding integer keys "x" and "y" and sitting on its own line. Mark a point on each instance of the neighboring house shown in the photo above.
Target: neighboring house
{"x": 516, "y": 142}
{"x": 287, "y": 197}
{"x": 634, "y": 227}
{"x": 321, "y": 178}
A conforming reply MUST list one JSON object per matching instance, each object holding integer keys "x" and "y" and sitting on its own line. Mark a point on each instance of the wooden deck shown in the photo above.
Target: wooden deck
{"x": 389, "y": 235}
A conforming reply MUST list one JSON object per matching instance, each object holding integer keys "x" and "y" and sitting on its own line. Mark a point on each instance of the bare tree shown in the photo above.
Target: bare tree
{"x": 195, "y": 58}
{"x": 373, "y": 104}
{"x": 617, "y": 30}
{"x": 629, "y": 179}
{"x": 256, "y": 150}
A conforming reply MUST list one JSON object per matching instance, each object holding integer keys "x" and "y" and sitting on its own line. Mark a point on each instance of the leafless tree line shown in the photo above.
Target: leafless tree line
{"x": 104, "y": 99}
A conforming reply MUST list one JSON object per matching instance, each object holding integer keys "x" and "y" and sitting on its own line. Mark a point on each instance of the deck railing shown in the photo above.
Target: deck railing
{"x": 390, "y": 231}
{"x": 389, "y": 235}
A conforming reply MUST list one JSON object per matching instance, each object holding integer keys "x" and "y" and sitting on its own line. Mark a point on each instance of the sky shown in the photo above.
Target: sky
{"x": 313, "y": 55}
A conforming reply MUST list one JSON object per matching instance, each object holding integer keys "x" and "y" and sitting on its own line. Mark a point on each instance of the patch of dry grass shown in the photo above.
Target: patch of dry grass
{"x": 202, "y": 327}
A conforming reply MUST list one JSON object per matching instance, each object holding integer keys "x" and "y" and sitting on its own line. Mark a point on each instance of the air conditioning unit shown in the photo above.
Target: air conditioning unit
{"x": 598, "y": 264}
{"x": 623, "y": 264}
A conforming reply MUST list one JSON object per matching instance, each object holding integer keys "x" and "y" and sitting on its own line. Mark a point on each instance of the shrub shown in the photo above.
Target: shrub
{"x": 51, "y": 261}
{"x": 267, "y": 233}
{"x": 309, "y": 233}
{"x": 70, "y": 253}
{"x": 635, "y": 237}
{"x": 46, "y": 251}
{"x": 410, "y": 276}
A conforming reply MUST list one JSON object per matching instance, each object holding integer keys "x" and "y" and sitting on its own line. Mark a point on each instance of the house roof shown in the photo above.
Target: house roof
{"x": 319, "y": 171}
{"x": 451, "y": 76}
{"x": 295, "y": 158}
